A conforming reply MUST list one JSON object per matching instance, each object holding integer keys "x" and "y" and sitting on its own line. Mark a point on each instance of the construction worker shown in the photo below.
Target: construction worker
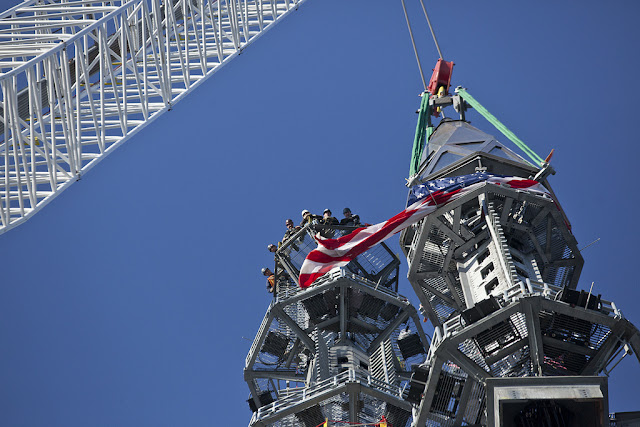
{"x": 271, "y": 279}
{"x": 291, "y": 230}
{"x": 308, "y": 218}
{"x": 279, "y": 268}
{"x": 349, "y": 219}
{"x": 328, "y": 219}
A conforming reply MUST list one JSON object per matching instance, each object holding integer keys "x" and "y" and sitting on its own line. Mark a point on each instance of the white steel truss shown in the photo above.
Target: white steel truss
{"x": 79, "y": 77}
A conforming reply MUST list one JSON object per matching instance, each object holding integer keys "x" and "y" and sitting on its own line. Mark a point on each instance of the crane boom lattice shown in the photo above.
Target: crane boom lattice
{"x": 78, "y": 78}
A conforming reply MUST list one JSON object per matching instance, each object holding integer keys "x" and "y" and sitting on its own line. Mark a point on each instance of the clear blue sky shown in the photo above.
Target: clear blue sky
{"x": 127, "y": 301}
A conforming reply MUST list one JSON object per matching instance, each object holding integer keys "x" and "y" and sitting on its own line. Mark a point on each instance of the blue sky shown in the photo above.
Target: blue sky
{"x": 129, "y": 300}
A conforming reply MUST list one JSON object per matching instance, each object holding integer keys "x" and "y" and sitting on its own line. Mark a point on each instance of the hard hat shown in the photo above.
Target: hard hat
{"x": 326, "y": 210}
{"x": 304, "y": 211}
{"x": 264, "y": 270}
{"x": 345, "y": 210}
{"x": 289, "y": 221}
{"x": 270, "y": 245}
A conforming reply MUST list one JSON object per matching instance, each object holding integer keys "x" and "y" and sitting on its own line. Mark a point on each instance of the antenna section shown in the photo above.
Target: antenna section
{"x": 341, "y": 349}
{"x": 496, "y": 272}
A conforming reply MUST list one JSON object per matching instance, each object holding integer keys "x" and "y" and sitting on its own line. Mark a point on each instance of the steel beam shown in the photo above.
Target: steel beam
{"x": 532, "y": 317}
{"x": 467, "y": 388}
{"x": 598, "y": 362}
{"x": 302, "y": 335}
{"x": 276, "y": 375}
{"x": 421, "y": 413}
{"x": 388, "y": 330}
{"x": 567, "y": 346}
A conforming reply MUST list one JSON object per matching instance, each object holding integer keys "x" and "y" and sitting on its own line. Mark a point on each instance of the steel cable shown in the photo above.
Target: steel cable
{"x": 433, "y": 34}
{"x": 415, "y": 50}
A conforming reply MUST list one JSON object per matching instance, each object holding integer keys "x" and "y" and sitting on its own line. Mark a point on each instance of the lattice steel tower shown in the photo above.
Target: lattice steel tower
{"x": 78, "y": 78}
{"x": 341, "y": 349}
{"x": 495, "y": 272}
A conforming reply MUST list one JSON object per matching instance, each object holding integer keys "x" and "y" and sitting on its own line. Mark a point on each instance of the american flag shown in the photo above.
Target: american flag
{"x": 423, "y": 200}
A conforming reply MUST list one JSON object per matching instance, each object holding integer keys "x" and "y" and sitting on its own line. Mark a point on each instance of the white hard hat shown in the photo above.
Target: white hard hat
{"x": 304, "y": 211}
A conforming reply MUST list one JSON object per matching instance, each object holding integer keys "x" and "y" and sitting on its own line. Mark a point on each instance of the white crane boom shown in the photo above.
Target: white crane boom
{"x": 78, "y": 78}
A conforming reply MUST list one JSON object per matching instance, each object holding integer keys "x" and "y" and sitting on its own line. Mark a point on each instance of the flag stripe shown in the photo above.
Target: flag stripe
{"x": 334, "y": 253}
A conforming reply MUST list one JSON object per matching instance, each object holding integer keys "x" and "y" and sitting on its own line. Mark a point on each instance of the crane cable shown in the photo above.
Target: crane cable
{"x": 433, "y": 34}
{"x": 413, "y": 42}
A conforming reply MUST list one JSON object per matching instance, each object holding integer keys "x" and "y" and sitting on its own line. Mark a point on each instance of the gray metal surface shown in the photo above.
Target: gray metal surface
{"x": 585, "y": 394}
{"x": 455, "y": 140}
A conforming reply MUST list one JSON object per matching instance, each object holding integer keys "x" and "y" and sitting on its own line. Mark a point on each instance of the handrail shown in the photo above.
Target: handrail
{"x": 370, "y": 264}
{"x": 549, "y": 291}
{"x": 348, "y": 376}
{"x": 519, "y": 290}
{"x": 254, "y": 344}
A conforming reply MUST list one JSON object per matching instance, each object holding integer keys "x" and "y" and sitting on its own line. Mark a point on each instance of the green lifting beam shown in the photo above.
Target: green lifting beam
{"x": 537, "y": 160}
{"x": 424, "y": 129}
